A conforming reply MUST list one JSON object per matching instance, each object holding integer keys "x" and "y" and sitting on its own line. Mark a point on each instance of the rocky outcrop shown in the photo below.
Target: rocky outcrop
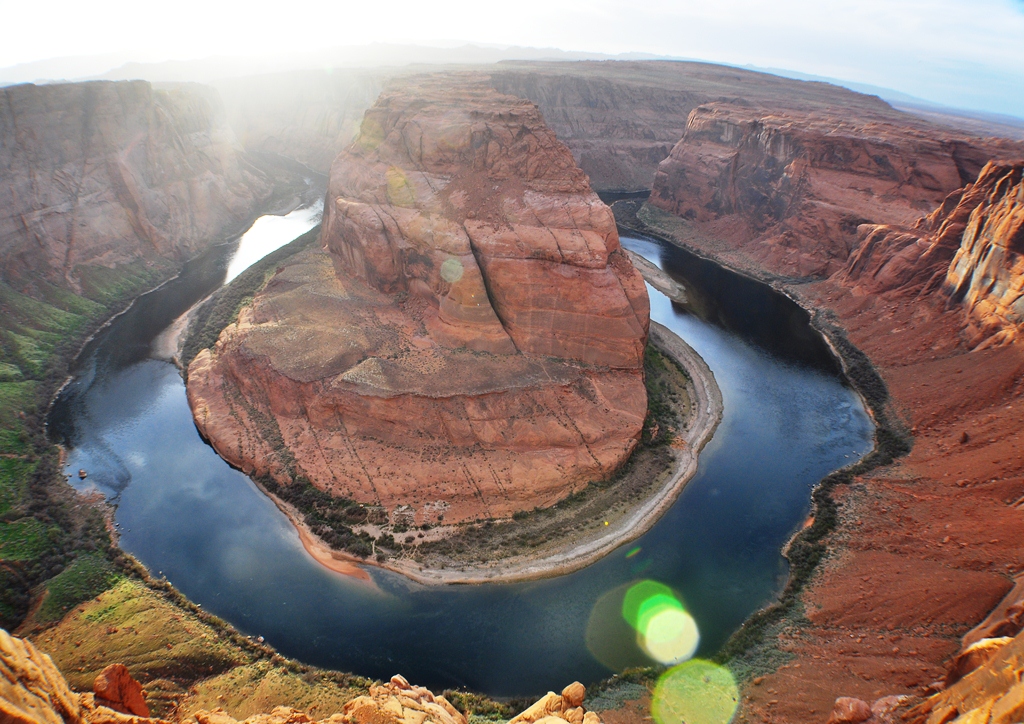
{"x": 471, "y": 343}
{"x": 116, "y": 689}
{"x": 992, "y": 693}
{"x": 987, "y": 273}
{"x": 791, "y": 189}
{"x": 107, "y": 173}
{"x": 971, "y": 247}
{"x": 397, "y": 702}
{"x": 33, "y": 691}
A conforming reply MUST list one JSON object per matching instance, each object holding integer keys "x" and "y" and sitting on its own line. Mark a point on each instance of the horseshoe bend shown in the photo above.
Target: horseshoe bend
{"x": 468, "y": 341}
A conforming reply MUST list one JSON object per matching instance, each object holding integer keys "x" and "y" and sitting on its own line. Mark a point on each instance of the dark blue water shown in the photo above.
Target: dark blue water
{"x": 187, "y": 515}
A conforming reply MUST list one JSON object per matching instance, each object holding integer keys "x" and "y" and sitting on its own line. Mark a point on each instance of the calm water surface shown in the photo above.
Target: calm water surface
{"x": 187, "y": 515}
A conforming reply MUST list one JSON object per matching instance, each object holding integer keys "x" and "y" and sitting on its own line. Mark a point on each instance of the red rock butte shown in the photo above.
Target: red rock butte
{"x": 470, "y": 340}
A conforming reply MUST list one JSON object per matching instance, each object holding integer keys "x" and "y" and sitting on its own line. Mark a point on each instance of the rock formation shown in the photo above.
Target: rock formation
{"x": 33, "y": 691}
{"x": 791, "y": 189}
{"x": 105, "y": 173}
{"x": 971, "y": 246}
{"x": 471, "y": 343}
{"x": 987, "y": 273}
{"x": 116, "y": 689}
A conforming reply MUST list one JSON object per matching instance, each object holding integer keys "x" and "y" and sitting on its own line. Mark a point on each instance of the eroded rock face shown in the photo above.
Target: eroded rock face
{"x": 470, "y": 344}
{"x": 971, "y": 246}
{"x": 987, "y": 273}
{"x": 115, "y": 688}
{"x": 104, "y": 173}
{"x": 793, "y": 188}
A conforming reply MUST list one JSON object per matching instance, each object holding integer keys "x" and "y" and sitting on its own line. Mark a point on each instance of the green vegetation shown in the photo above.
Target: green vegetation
{"x": 187, "y": 658}
{"x": 44, "y": 528}
{"x": 88, "y": 576}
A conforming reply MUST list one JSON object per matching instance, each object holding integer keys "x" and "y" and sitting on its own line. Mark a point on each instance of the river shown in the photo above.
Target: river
{"x": 788, "y": 421}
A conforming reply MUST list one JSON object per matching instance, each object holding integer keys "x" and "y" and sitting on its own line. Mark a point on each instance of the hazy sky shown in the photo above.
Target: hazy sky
{"x": 966, "y": 53}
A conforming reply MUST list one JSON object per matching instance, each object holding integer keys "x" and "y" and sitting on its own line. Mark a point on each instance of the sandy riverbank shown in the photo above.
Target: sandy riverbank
{"x": 582, "y": 550}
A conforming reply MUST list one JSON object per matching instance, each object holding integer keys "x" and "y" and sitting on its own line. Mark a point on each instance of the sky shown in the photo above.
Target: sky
{"x": 962, "y": 53}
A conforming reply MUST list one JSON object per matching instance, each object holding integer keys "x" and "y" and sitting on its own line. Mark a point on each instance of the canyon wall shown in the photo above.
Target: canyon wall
{"x": 469, "y": 343}
{"x": 791, "y": 189}
{"x": 620, "y": 119}
{"x": 969, "y": 249}
{"x": 106, "y": 173}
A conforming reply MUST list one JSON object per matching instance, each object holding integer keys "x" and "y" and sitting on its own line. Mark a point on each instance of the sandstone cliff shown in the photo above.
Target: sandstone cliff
{"x": 106, "y": 173}
{"x": 471, "y": 343}
{"x": 970, "y": 247}
{"x": 790, "y": 189}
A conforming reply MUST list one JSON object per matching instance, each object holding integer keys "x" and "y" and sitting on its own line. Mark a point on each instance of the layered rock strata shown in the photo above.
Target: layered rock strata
{"x": 971, "y": 247}
{"x": 792, "y": 188}
{"x": 105, "y": 173}
{"x": 470, "y": 342}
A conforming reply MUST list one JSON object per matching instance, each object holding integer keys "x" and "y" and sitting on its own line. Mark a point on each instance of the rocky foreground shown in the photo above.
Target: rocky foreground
{"x": 470, "y": 341}
{"x": 33, "y": 691}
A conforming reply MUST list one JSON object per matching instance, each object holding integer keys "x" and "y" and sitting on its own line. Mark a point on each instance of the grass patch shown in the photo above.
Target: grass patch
{"x": 24, "y": 539}
{"x": 15, "y": 474}
{"x": 43, "y": 525}
{"x": 87, "y": 576}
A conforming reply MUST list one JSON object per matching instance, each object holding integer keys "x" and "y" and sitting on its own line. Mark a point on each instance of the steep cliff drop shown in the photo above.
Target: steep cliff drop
{"x": 468, "y": 344}
{"x": 789, "y": 190}
{"x": 101, "y": 173}
{"x": 971, "y": 248}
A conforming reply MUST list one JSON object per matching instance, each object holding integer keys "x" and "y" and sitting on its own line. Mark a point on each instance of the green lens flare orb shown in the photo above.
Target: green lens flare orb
{"x": 451, "y": 270}
{"x": 643, "y": 597}
{"x": 696, "y": 692}
{"x": 669, "y": 636}
{"x": 664, "y": 629}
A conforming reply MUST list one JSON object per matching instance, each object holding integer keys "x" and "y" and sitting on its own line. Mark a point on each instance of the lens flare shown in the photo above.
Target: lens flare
{"x": 451, "y": 270}
{"x": 400, "y": 190}
{"x": 664, "y": 629}
{"x": 696, "y": 692}
{"x": 669, "y": 636}
{"x": 609, "y": 638}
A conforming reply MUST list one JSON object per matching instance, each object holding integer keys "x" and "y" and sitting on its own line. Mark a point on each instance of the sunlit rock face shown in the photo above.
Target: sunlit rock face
{"x": 470, "y": 341}
{"x": 971, "y": 248}
{"x": 987, "y": 273}
{"x": 105, "y": 173}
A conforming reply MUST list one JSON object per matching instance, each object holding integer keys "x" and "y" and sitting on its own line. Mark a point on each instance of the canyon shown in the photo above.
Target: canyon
{"x": 904, "y": 237}
{"x": 471, "y": 311}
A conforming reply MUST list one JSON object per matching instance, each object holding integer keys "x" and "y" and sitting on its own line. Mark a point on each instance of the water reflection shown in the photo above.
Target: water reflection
{"x": 787, "y": 422}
